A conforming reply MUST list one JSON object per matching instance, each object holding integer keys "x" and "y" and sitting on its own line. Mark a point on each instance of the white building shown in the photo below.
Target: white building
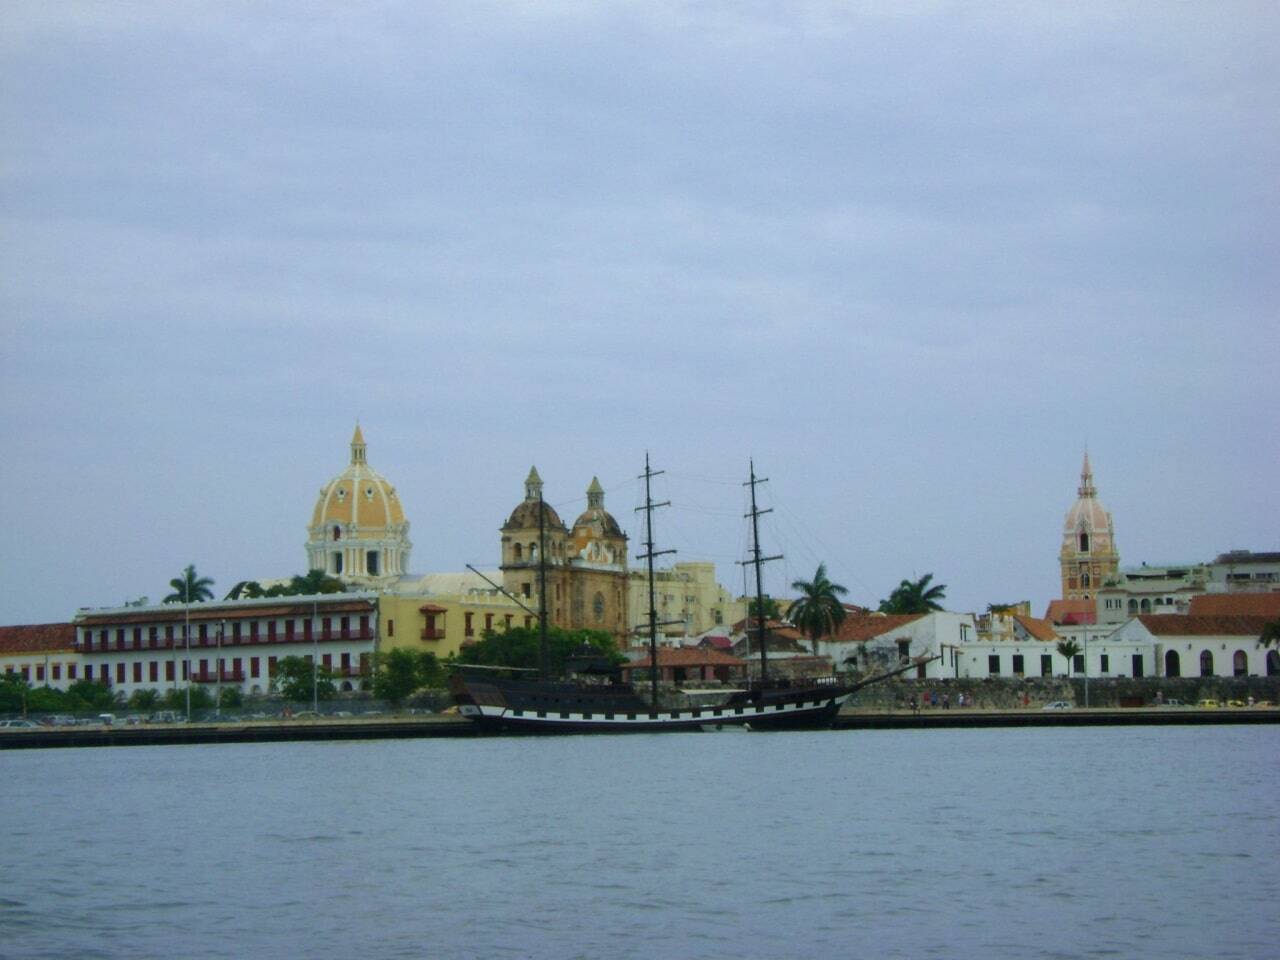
{"x": 229, "y": 643}
{"x": 1205, "y": 646}
{"x": 874, "y": 642}
{"x": 42, "y": 654}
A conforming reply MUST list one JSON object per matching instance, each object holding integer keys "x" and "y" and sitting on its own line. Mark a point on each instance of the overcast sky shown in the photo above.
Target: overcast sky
{"x": 912, "y": 258}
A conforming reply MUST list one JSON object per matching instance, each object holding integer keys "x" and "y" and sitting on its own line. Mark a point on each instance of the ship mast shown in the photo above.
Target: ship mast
{"x": 648, "y": 555}
{"x": 543, "y": 646}
{"x": 757, "y": 560}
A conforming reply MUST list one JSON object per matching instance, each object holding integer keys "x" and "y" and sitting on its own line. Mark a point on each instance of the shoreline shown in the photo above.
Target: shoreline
{"x": 269, "y": 731}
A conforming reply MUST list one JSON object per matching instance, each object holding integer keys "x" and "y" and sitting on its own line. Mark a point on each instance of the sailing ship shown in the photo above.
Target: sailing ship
{"x": 595, "y": 700}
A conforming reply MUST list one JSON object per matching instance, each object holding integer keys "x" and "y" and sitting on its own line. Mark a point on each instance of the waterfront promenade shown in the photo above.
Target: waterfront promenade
{"x": 418, "y": 727}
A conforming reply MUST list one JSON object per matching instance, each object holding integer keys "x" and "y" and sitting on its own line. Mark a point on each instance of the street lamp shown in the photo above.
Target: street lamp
{"x": 315, "y": 658}
{"x": 1086, "y": 666}
{"x": 217, "y": 705}
{"x": 186, "y": 666}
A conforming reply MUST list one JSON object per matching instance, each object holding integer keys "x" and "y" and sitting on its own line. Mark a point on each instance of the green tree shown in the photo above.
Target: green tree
{"x": 915, "y": 596}
{"x": 245, "y": 590}
{"x": 772, "y": 611}
{"x": 1270, "y": 634}
{"x": 144, "y": 699}
{"x": 189, "y": 588}
{"x": 819, "y": 611}
{"x": 1069, "y": 649}
{"x": 314, "y": 581}
{"x": 175, "y": 699}
{"x": 13, "y": 692}
{"x": 296, "y": 681}
{"x": 46, "y": 700}
{"x": 231, "y": 697}
{"x": 86, "y": 695}
{"x": 518, "y": 647}
{"x": 403, "y": 672}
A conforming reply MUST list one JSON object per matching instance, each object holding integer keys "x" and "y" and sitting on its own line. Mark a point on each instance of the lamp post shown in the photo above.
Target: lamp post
{"x": 186, "y": 666}
{"x": 315, "y": 657}
{"x": 217, "y": 702}
{"x": 1086, "y": 666}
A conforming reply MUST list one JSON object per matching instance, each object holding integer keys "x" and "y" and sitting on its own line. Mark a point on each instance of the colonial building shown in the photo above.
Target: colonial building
{"x": 1088, "y": 556}
{"x": 687, "y": 598}
{"x": 1242, "y": 571}
{"x": 43, "y": 654}
{"x": 441, "y": 612}
{"x": 585, "y": 567}
{"x": 228, "y": 643}
{"x": 358, "y": 532}
{"x": 1134, "y": 591}
{"x": 1205, "y": 645}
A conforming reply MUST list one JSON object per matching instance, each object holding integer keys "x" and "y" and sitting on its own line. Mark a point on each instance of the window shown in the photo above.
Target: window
{"x": 153, "y": 671}
{"x": 1046, "y": 665}
{"x": 1077, "y": 663}
{"x": 120, "y": 672}
{"x": 120, "y": 638}
{"x": 391, "y": 628}
{"x": 40, "y": 672}
{"x": 364, "y": 626}
{"x": 326, "y": 661}
{"x": 204, "y": 633}
{"x": 253, "y": 632}
{"x": 1084, "y": 543}
{"x": 371, "y": 563}
{"x": 488, "y": 621}
{"x": 57, "y": 671}
{"x": 88, "y": 671}
{"x": 271, "y": 631}
{"x": 1104, "y": 663}
{"x": 137, "y": 638}
{"x": 154, "y": 637}
{"x": 71, "y": 671}
{"x": 137, "y": 671}
{"x": 506, "y": 620}
{"x": 288, "y": 631}
{"x": 993, "y": 664}
{"x": 336, "y": 562}
{"x": 1137, "y": 664}
{"x": 254, "y": 664}
{"x": 524, "y": 589}
{"x": 904, "y": 650}
{"x": 271, "y": 666}
{"x": 468, "y": 629}
{"x": 964, "y": 633}
{"x": 1017, "y": 665}
{"x": 168, "y": 670}
{"x": 237, "y": 669}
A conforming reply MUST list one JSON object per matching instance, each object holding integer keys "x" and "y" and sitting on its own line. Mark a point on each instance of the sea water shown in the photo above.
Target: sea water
{"x": 1018, "y": 843}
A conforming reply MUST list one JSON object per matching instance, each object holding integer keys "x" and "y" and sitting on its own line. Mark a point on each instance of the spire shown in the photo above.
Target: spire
{"x": 595, "y": 495}
{"x": 357, "y": 446}
{"x": 1086, "y": 488}
{"x": 533, "y": 485}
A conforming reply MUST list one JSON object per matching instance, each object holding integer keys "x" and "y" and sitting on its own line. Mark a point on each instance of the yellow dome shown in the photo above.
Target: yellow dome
{"x": 359, "y": 498}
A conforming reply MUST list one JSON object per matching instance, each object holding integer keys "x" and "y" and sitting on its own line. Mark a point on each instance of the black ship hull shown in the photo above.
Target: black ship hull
{"x": 530, "y": 706}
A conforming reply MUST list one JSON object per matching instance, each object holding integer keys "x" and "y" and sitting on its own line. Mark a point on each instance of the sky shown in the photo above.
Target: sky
{"x": 911, "y": 259}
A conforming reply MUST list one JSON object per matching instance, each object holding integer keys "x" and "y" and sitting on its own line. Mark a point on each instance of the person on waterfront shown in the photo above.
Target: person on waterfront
{"x": 960, "y": 701}
{"x": 946, "y": 701}
{"x": 915, "y": 705}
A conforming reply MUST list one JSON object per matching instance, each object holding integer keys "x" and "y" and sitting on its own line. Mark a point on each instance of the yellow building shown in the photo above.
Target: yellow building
{"x": 439, "y": 612}
{"x": 687, "y": 598}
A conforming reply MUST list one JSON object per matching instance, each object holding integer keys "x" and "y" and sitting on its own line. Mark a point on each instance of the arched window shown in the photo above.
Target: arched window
{"x": 1084, "y": 543}
{"x": 1273, "y": 663}
{"x": 519, "y": 550}
{"x": 1133, "y": 606}
{"x": 1240, "y": 664}
{"x": 1146, "y": 605}
{"x": 1206, "y": 664}
{"x": 1084, "y": 579}
{"x": 1172, "y": 664}
{"x": 337, "y": 532}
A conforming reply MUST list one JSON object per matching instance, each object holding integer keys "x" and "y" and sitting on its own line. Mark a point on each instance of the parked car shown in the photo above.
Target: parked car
{"x": 21, "y": 724}
{"x": 106, "y": 719}
{"x": 1173, "y": 702}
{"x": 1208, "y": 704}
{"x": 1058, "y": 705}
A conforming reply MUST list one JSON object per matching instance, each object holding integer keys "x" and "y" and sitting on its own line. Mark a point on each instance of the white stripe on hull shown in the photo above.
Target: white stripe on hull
{"x": 692, "y": 718}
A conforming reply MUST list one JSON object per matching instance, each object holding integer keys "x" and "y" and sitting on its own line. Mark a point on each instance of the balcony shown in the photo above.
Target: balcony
{"x": 432, "y": 633}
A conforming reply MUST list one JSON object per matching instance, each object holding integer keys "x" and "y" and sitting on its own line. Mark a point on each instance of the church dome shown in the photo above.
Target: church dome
{"x": 359, "y": 497}
{"x": 596, "y": 520}
{"x": 358, "y": 531}
{"x": 525, "y": 515}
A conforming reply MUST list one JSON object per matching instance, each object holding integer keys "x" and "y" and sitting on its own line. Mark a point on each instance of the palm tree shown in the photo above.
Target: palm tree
{"x": 1069, "y": 649}
{"x": 819, "y": 611}
{"x": 315, "y": 581}
{"x": 1270, "y": 634}
{"x": 915, "y": 597}
{"x": 189, "y": 588}
{"x": 245, "y": 589}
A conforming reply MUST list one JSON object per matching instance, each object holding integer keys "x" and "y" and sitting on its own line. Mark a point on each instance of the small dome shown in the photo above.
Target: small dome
{"x": 359, "y": 497}
{"x": 596, "y": 519}
{"x": 525, "y": 515}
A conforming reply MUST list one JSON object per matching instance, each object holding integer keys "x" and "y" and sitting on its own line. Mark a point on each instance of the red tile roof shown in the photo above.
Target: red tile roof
{"x": 859, "y": 629}
{"x": 176, "y": 613}
{"x": 1186, "y": 625}
{"x": 1072, "y": 611}
{"x": 38, "y": 638}
{"x": 1039, "y": 628}
{"x": 687, "y": 657}
{"x": 1237, "y": 604}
